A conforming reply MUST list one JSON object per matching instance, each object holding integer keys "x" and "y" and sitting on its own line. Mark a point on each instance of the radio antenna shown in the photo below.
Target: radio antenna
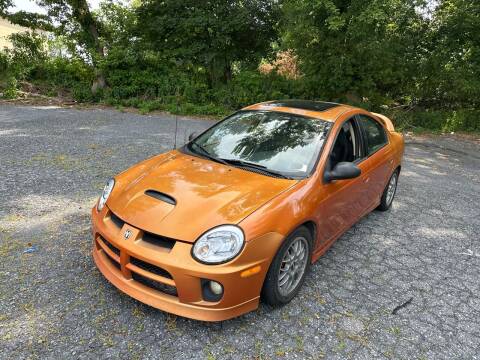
{"x": 176, "y": 120}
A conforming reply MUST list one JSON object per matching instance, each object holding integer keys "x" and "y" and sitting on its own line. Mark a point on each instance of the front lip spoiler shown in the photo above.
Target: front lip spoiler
{"x": 166, "y": 302}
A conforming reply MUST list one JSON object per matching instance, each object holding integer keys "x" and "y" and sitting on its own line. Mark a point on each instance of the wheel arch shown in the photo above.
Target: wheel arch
{"x": 267, "y": 292}
{"x": 312, "y": 228}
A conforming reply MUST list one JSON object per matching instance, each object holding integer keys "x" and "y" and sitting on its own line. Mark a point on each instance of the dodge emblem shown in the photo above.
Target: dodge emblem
{"x": 127, "y": 234}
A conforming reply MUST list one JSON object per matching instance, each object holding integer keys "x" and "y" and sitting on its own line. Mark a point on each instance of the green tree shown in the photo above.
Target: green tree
{"x": 66, "y": 17}
{"x": 212, "y": 34}
{"x": 451, "y": 66}
{"x": 368, "y": 48}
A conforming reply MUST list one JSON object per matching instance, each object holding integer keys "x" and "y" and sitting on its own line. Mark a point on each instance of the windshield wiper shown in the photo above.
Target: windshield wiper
{"x": 208, "y": 155}
{"x": 248, "y": 164}
{"x": 239, "y": 162}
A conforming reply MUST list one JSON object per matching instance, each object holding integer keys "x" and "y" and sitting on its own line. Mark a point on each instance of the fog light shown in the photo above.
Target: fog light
{"x": 211, "y": 290}
{"x": 215, "y": 287}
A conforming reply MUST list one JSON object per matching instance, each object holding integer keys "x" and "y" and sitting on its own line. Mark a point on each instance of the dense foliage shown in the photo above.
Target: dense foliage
{"x": 418, "y": 61}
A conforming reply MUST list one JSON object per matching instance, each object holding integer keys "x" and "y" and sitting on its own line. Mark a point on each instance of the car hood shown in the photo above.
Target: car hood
{"x": 188, "y": 195}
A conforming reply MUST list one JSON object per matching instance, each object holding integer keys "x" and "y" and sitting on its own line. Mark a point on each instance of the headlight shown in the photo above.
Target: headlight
{"x": 105, "y": 194}
{"x": 218, "y": 245}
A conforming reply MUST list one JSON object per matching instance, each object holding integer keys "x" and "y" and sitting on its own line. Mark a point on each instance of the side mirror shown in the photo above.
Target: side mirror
{"x": 343, "y": 170}
{"x": 192, "y": 136}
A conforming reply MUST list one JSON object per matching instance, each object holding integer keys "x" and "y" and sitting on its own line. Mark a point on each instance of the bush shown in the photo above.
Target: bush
{"x": 28, "y": 62}
{"x": 11, "y": 88}
{"x": 250, "y": 87}
{"x": 148, "y": 81}
{"x": 462, "y": 120}
{"x": 4, "y": 63}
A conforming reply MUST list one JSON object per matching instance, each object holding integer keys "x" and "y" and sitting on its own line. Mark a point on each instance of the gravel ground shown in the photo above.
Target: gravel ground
{"x": 55, "y": 304}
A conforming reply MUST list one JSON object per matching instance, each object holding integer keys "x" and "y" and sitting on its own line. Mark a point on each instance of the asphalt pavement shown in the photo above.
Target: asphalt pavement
{"x": 404, "y": 284}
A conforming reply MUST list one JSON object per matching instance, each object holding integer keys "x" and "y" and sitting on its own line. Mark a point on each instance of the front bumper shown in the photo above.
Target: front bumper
{"x": 164, "y": 275}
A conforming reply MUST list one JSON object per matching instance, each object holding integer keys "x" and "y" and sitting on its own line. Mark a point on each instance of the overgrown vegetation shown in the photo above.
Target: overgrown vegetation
{"x": 417, "y": 61}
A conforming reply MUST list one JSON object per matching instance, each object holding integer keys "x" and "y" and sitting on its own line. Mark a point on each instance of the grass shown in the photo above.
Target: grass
{"x": 258, "y": 349}
{"x": 14, "y": 218}
{"x": 184, "y": 108}
{"x": 171, "y": 322}
{"x": 320, "y": 299}
{"x": 208, "y": 354}
{"x": 395, "y": 330}
{"x": 341, "y": 345}
{"x": 10, "y": 246}
{"x": 299, "y": 343}
{"x": 61, "y": 161}
{"x": 417, "y": 120}
{"x": 138, "y": 313}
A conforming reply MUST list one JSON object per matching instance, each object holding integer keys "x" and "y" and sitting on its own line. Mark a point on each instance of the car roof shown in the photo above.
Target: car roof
{"x": 328, "y": 111}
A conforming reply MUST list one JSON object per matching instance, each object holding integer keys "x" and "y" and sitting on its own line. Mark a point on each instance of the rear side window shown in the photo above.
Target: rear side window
{"x": 374, "y": 133}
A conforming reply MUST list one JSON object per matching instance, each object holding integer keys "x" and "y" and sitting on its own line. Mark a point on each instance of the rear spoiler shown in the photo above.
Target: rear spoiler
{"x": 388, "y": 123}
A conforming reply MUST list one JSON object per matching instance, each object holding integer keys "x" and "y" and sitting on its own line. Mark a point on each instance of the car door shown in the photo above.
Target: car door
{"x": 344, "y": 201}
{"x": 379, "y": 162}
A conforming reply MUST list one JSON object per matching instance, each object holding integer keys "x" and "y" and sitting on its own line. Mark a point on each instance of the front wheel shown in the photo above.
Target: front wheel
{"x": 389, "y": 193}
{"x": 288, "y": 269}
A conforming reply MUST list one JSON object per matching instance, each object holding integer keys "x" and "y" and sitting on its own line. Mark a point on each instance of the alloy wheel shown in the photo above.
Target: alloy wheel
{"x": 392, "y": 186}
{"x": 293, "y": 266}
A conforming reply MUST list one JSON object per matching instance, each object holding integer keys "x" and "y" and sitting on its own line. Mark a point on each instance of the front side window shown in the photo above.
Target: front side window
{"x": 285, "y": 143}
{"x": 347, "y": 145}
{"x": 374, "y": 132}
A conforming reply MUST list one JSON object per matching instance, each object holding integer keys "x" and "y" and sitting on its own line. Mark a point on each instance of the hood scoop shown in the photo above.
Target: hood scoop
{"x": 161, "y": 196}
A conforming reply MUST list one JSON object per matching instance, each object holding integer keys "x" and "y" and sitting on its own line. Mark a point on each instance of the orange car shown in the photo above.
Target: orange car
{"x": 242, "y": 210}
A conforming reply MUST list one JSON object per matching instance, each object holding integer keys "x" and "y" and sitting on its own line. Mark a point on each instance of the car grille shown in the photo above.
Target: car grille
{"x": 151, "y": 274}
{"x": 114, "y": 262}
{"x": 157, "y": 240}
{"x": 150, "y": 267}
{"x": 164, "y": 288}
{"x": 111, "y": 247}
{"x": 160, "y": 241}
{"x": 116, "y": 220}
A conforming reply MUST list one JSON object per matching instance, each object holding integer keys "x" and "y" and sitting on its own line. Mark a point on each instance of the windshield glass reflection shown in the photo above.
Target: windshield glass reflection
{"x": 282, "y": 142}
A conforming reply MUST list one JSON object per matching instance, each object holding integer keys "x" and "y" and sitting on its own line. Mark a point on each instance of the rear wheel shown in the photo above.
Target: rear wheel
{"x": 288, "y": 269}
{"x": 389, "y": 192}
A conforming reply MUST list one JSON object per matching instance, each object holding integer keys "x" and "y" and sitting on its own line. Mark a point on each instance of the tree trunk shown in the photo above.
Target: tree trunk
{"x": 82, "y": 14}
{"x": 227, "y": 73}
{"x": 211, "y": 75}
{"x": 100, "y": 82}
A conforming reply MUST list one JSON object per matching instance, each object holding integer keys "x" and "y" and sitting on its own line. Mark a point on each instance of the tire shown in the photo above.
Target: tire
{"x": 273, "y": 292}
{"x": 389, "y": 193}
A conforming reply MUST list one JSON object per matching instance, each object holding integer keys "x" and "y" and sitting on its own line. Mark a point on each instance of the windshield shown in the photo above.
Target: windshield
{"x": 284, "y": 143}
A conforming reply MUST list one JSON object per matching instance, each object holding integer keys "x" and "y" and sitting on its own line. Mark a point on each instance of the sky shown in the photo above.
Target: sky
{"x": 29, "y": 5}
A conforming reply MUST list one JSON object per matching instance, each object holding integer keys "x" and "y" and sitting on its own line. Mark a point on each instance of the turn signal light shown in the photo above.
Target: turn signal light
{"x": 252, "y": 271}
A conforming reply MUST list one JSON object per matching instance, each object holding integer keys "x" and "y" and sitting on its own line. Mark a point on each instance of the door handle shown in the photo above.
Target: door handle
{"x": 366, "y": 179}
